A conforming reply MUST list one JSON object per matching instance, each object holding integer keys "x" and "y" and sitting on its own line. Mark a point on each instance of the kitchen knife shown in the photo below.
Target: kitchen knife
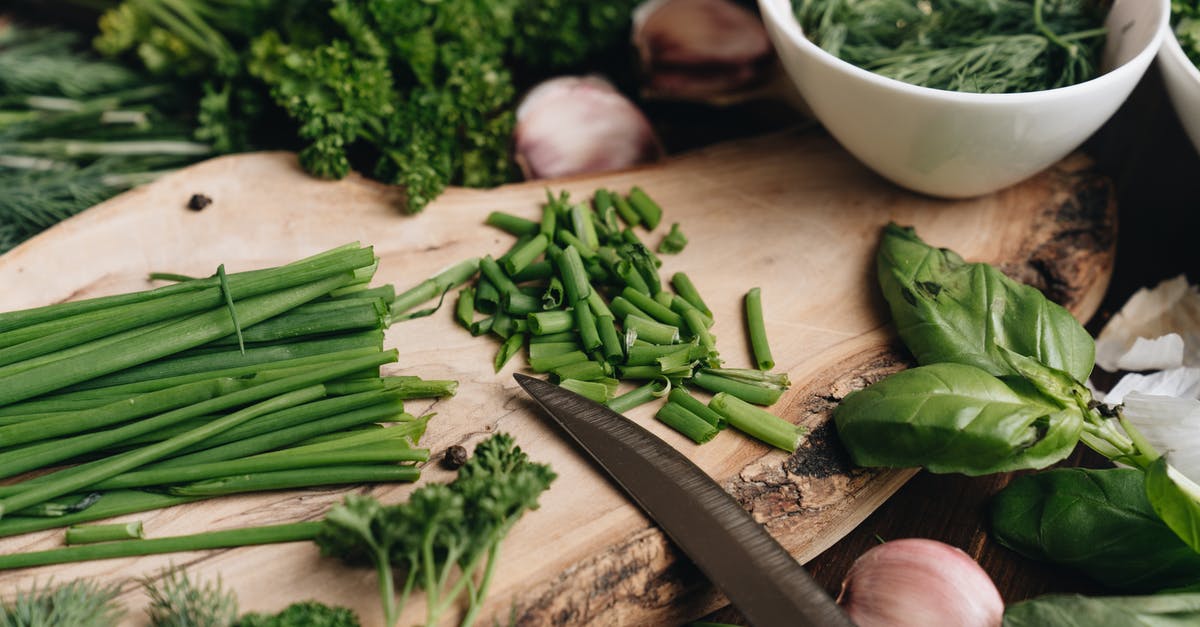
{"x": 758, "y": 575}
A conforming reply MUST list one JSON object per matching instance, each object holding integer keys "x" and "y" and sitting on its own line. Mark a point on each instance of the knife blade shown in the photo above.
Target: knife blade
{"x": 758, "y": 575}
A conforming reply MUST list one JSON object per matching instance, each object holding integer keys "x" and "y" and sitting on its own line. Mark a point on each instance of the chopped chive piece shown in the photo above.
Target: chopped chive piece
{"x": 593, "y": 390}
{"x": 569, "y": 239}
{"x": 549, "y": 223}
{"x": 651, "y": 330}
{"x": 648, "y": 354}
{"x": 482, "y": 327}
{"x": 90, "y": 534}
{"x": 687, "y": 290}
{"x": 630, "y": 276}
{"x": 487, "y": 298}
{"x": 758, "y": 330}
{"x": 582, "y": 370}
{"x": 679, "y": 305}
{"x": 695, "y": 324}
{"x": 623, "y": 308}
{"x": 584, "y": 226}
{"x": 546, "y": 363}
{"x": 546, "y": 322}
{"x": 685, "y": 422}
{"x": 680, "y": 396}
{"x": 550, "y": 349}
{"x": 552, "y": 298}
{"x": 640, "y": 372}
{"x": 596, "y": 302}
{"x": 585, "y": 323}
{"x": 645, "y": 263}
{"x": 641, "y": 395}
{"x": 464, "y": 309}
{"x": 510, "y": 347}
{"x": 758, "y": 423}
{"x": 250, "y": 536}
{"x": 525, "y": 255}
{"x": 416, "y": 387}
{"x": 596, "y": 271}
{"x": 436, "y": 286}
{"x": 652, "y": 307}
{"x": 520, "y": 304}
{"x": 504, "y": 325}
{"x": 512, "y": 224}
{"x": 521, "y": 241}
{"x": 609, "y": 340}
{"x": 536, "y": 271}
{"x": 574, "y": 277}
{"x": 674, "y": 242}
{"x": 565, "y": 336}
{"x": 748, "y": 392}
{"x": 490, "y": 269}
{"x": 647, "y": 209}
{"x": 757, "y": 377}
{"x": 665, "y": 299}
{"x": 677, "y": 360}
{"x": 602, "y": 202}
{"x": 628, "y": 213}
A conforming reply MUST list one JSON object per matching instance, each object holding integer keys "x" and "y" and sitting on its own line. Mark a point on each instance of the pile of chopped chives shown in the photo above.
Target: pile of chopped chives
{"x": 259, "y": 380}
{"x": 582, "y": 294}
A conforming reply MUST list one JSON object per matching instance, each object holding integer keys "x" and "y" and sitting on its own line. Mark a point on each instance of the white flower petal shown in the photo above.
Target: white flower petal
{"x": 1171, "y": 425}
{"x": 1176, "y": 382}
{"x": 1171, "y": 307}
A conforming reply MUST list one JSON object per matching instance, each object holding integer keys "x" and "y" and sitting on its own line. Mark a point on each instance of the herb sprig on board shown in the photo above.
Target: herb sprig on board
{"x": 982, "y": 46}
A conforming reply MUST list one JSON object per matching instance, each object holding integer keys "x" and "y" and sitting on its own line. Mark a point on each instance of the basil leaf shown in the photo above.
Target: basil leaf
{"x": 1072, "y": 610}
{"x": 1176, "y": 500}
{"x": 947, "y": 310}
{"x": 1098, "y": 522}
{"x": 952, "y": 418}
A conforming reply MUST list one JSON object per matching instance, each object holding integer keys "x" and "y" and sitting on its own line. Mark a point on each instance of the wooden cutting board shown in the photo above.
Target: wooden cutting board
{"x": 791, "y": 213}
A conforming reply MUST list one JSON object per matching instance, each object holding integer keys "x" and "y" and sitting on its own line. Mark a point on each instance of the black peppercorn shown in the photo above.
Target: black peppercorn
{"x": 454, "y": 458}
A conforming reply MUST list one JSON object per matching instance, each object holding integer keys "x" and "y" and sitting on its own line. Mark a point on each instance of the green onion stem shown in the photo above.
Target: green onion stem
{"x": 745, "y": 391}
{"x": 758, "y": 423}
{"x": 250, "y": 536}
{"x": 301, "y": 478}
{"x": 640, "y": 395}
{"x": 510, "y": 347}
{"x": 574, "y": 277}
{"x": 91, "y": 534}
{"x": 647, "y": 209}
{"x": 547, "y": 322}
{"x": 464, "y": 309}
{"x": 592, "y": 390}
{"x": 434, "y": 287}
{"x": 610, "y": 341}
{"x": 687, "y": 290}
{"x": 522, "y": 257}
{"x": 628, "y": 213}
{"x": 515, "y": 225}
{"x": 758, "y": 330}
{"x": 652, "y": 307}
{"x": 680, "y": 397}
{"x": 685, "y": 422}
{"x": 585, "y": 323}
{"x": 652, "y": 331}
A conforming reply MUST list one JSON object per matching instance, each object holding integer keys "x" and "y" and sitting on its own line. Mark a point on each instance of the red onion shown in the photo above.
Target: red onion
{"x": 919, "y": 583}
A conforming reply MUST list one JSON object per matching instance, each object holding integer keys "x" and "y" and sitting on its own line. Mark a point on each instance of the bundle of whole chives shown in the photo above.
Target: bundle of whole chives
{"x": 207, "y": 387}
{"x": 593, "y": 306}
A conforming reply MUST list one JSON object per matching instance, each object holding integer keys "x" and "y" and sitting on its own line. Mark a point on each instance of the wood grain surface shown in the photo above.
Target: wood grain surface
{"x": 791, "y": 213}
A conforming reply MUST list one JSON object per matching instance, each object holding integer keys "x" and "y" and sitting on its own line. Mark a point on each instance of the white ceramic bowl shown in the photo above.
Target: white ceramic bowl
{"x": 1183, "y": 84}
{"x": 956, "y": 144}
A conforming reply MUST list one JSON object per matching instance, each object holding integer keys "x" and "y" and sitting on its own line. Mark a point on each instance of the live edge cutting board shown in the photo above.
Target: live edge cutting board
{"x": 791, "y": 213}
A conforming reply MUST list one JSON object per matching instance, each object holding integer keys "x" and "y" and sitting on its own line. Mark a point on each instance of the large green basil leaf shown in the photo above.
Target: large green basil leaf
{"x": 1072, "y": 610}
{"x": 947, "y": 310}
{"x": 1176, "y": 500}
{"x": 1098, "y": 522}
{"x": 952, "y": 418}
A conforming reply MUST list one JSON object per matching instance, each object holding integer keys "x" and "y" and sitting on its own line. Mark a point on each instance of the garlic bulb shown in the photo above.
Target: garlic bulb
{"x": 916, "y": 582}
{"x": 692, "y": 49}
{"x": 580, "y": 124}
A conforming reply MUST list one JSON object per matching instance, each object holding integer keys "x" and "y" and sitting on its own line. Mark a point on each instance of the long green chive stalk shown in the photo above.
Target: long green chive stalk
{"x": 252, "y": 536}
{"x": 596, "y": 308}
{"x": 245, "y": 381}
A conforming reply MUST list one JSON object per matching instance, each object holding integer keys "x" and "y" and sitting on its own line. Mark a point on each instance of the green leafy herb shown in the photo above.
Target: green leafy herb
{"x": 1160, "y": 610}
{"x": 1098, "y": 522}
{"x": 984, "y": 46}
{"x": 79, "y": 602}
{"x": 306, "y": 614}
{"x": 1185, "y": 18}
{"x": 178, "y": 601}
{"x": 440, "y": 528}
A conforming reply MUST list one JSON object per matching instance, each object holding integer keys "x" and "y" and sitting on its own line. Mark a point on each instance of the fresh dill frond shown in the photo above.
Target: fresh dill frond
{"x": 80, "y": 603}
{"x": 177, "y": 601}
{"x": 983, "y": 46}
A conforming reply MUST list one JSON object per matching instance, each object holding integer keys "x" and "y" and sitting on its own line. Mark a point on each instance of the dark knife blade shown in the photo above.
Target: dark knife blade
{"x": 758, "y": 575}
